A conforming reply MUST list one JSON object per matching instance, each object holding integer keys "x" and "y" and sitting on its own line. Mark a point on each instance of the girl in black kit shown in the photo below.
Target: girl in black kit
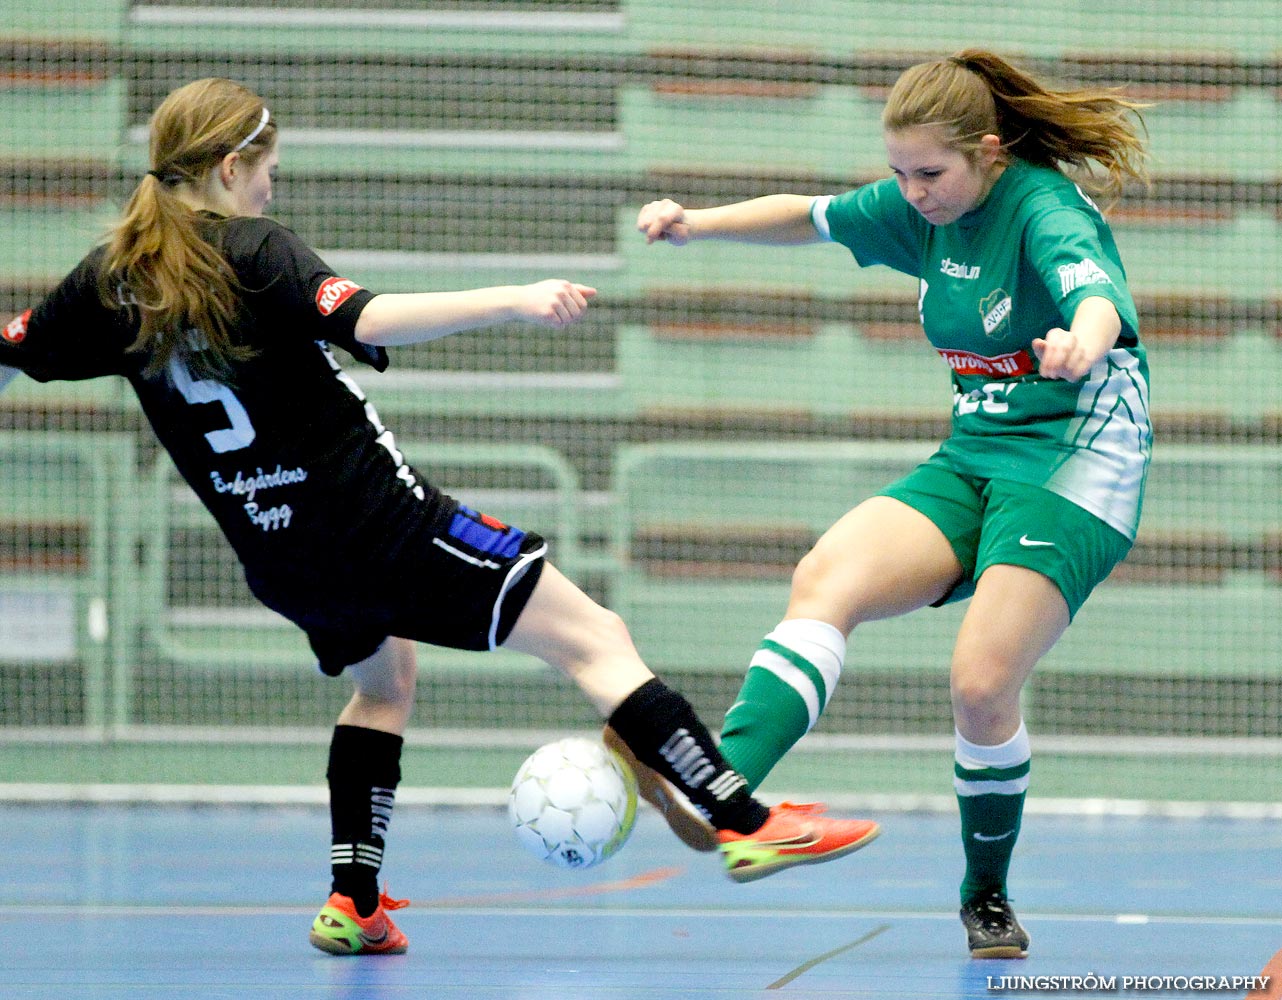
{"x": 224, "y": 323}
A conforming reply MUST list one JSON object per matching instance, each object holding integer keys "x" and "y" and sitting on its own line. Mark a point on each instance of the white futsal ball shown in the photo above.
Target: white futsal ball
{"x": 573, "y": 802}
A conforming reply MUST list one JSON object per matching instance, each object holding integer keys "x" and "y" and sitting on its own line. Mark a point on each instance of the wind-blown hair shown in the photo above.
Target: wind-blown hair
{"x": 976, "y": 93}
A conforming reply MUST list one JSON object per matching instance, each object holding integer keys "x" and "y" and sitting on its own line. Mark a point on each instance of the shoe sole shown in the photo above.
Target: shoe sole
{"x": 339, "y": 948}
{"x": 754, "y": 872}
{"x": 999, "y": 951}
{"x": 681, "y": 816}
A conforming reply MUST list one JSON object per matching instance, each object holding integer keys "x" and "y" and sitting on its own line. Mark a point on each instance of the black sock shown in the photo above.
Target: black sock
{"x": 364, "y": 770}
{"x": 660, "y": 727}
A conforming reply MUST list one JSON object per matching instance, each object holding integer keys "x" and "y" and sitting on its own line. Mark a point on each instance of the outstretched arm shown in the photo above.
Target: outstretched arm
{"x": 391, "y": 319}
{"x": 775, "y": 220}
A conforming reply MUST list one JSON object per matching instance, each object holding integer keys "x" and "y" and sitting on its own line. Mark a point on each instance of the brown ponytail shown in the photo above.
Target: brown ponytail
{"x": 976, "y": 93}
{"x": 157, "y": 262}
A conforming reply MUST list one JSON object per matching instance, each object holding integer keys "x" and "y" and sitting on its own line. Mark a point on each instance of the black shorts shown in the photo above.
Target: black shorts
{"x": 462, "y": 584}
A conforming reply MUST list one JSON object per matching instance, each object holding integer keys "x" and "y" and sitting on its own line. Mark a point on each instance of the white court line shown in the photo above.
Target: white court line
{"x": 815, "y": 743}
{"x": 177, "y": 794}
{"x": 1102, "y": 746}
{"x": 561, "y": 908}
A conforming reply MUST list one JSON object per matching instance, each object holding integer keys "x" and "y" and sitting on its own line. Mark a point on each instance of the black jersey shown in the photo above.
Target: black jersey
{"x": 288, "y": 456}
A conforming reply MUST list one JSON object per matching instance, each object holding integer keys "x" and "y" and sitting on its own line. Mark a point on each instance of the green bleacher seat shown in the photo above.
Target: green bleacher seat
{"x": 835, "y": 371}
{"x": 111, "y": 395}
{"x": 836, "y": 28}
{"x": 211, "y": 621}
{"x": 709, "y": 617}
{"x": 747, "y": 133}
{"x": 438, "y": 146}
{"x": 66, "y": 584}
{"x": 417, "y": 28}
{"x": 723, "y": 131}
{"x": 43, "y": 243}
{"x": 1235, "y": 377}
{"x": 76, "y": 21}
{"x": 829, "y": 29}
{"x": 80, "y": 119}
{"x": 1232, "y": 258}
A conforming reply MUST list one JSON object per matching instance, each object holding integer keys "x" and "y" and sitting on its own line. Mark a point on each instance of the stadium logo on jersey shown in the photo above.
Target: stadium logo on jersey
{"x": 333, "y": 292}
{"x": 1001, "y": 366}
{"x": 1081, "y": 274}
{"x": 16, "y": 330}
{"x": 967, "y": 272}
{"x": 994, "y": 309}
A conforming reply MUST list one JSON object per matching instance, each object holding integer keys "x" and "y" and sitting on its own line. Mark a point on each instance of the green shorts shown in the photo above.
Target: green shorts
{"x": 992, "y": 522}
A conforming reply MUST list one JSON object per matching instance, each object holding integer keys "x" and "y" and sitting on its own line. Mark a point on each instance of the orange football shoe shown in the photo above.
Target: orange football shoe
{"x": 340, "y": 930}
{"x": 794, "y": 834}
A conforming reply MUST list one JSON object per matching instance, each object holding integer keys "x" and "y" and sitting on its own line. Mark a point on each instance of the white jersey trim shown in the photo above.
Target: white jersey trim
{"x": 514, "y": 574}
{"x": 819, "y": 215}
{"x": 384, "y": 436}
{"x": 1112, "y": 441}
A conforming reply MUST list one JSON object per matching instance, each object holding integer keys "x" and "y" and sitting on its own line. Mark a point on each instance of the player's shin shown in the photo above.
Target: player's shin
{"x": 364, "y": 770}
{"x": 791, "y": 677}
{"x": 990, "y": 782}
{"x": 662, "y": 730}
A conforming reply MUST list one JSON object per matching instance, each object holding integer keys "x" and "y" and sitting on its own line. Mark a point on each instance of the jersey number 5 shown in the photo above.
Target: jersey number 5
{"x": 241, "y": 432}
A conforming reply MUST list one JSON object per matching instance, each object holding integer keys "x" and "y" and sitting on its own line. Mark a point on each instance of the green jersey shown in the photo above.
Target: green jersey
{"x": 989, "y": 283}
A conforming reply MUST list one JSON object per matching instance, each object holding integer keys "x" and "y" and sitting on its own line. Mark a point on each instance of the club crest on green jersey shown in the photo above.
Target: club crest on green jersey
{"x": 994, "y": 310}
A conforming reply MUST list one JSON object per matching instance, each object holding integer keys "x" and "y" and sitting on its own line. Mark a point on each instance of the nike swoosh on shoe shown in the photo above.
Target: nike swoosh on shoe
{"x": 806, "y": 838}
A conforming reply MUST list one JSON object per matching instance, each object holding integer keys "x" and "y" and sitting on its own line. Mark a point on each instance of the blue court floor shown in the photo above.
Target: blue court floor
{"x": 196, "y": 903}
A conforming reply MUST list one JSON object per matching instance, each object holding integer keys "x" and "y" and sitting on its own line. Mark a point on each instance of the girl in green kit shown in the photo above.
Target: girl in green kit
{"x": 1036, "y": 493}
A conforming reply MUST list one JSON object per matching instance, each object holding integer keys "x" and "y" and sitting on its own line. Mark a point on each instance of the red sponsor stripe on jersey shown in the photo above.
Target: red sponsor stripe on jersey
{"x": 333, "y": 292}
{"x": 1001, "y": 366}
{"x": 15, "y": 330}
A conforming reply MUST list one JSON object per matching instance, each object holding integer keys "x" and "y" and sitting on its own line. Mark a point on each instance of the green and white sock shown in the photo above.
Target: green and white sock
{"x": 790, "y": 679}
{"x": 990, "y": 782}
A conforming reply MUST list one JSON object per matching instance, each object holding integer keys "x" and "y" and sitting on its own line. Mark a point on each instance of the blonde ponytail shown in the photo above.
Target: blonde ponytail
{"x": 977, "y": 93}
{"x": 157, "y": 262}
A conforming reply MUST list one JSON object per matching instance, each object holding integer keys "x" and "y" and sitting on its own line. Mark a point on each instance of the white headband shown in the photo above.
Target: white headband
{"x": 262, "y": 124}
